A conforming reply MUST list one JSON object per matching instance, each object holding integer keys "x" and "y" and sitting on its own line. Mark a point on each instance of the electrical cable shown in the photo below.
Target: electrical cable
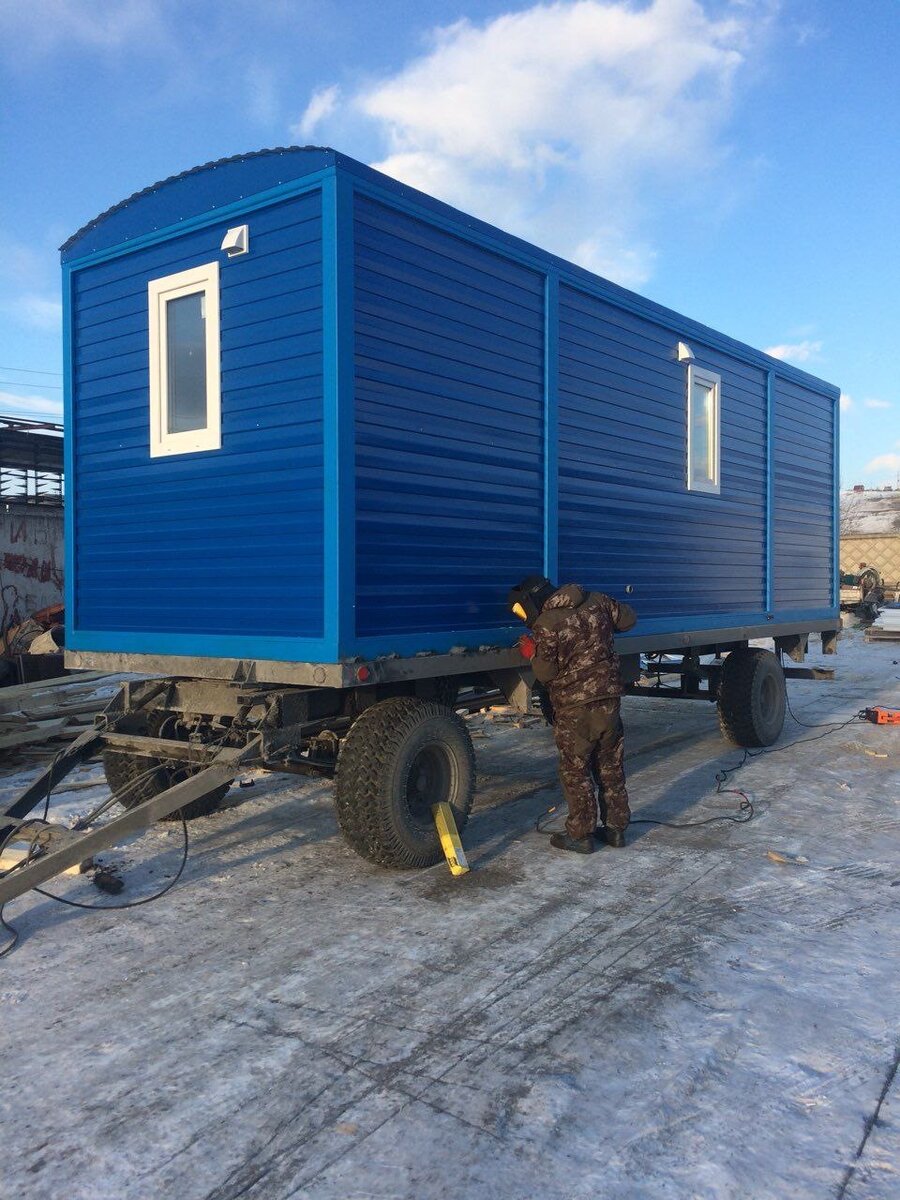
{"x": 134, "y": 783}
{"x": 39, "y": 387}
{"x": 806, "y": 724}
{"x": 11, "y": 836}
{"x": 127, "y": 903}
{"x": 722, "y": 776}
{"x": 31, "y": 371}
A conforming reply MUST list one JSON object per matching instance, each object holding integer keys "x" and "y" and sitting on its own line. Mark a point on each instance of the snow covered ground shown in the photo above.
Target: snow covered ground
{"x": 682, "y": 1019}
{"x": 870, "y": 513}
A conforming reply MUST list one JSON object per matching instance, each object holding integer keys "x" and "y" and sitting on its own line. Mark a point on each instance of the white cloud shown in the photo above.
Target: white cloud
{"x": 797, "y": 352}
{"x": 560, "y": 121}
{"x": 39, "y": 26}
{"x": 30, "y": 406}
{"x": 262, "y": 93}
{"x": 610, "y": 252}
{"x": 846, "y": 401}
{"x": 321, "y": 105}
{"x": 883, "y": 463}
{"x": 40, "y": 312}
{"x": 877, "y": 403}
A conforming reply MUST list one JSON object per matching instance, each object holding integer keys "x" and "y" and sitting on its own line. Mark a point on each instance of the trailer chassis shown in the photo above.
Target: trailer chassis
{"x": 389, "y": 731}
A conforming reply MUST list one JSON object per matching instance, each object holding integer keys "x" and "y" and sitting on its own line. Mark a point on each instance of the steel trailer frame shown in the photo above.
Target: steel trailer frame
{"x": 292, "y": 716}
{"x": 397, "y": 668}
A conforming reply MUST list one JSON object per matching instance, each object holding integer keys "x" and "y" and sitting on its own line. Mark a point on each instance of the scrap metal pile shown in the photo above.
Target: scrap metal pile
{"x": 33, "y": 649}
{"x": 49, "y": 710}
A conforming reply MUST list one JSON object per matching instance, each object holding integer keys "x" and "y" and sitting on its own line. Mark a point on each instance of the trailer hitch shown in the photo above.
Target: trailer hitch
{"x": 62, "y": 848}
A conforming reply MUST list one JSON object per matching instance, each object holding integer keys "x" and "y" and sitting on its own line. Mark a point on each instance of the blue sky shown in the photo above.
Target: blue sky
{"x": 734, "y": 159}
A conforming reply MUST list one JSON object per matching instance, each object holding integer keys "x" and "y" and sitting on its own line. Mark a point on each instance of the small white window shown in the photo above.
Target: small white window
{"x": 185, "y": 397}
{"x": 703, "y": 401}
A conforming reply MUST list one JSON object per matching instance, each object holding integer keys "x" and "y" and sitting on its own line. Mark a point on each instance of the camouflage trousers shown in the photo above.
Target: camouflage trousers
{"x": 591, "y": 747}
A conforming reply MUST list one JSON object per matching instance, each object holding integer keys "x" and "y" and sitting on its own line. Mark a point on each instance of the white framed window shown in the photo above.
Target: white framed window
{"x": 704, "y": 392}
{"x": 185, "y": 390}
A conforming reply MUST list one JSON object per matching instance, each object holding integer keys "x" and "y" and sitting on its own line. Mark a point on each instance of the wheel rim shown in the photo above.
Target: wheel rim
{"x": 429, "y": 781}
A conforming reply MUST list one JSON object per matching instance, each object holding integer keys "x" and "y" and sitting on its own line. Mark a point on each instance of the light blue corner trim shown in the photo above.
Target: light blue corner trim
{"x": 340, "y": 495}
{"x": 331, "y": 412}
{"x": 68, "y": 450}
{"x": 551, "y": 425}
{"x": 770, "y": 491}
{"x": 203, "y": 645}
{"x": 346, "y": 410}
{"x": 284, "y": 191}
{"x": 756, "y": 623}
{"x": 836, "y": 512}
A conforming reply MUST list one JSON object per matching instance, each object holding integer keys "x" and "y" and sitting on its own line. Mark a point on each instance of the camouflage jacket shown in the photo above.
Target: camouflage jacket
{"x": 574, "y": 653}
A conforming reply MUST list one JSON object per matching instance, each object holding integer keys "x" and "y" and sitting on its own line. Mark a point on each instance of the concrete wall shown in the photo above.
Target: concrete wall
{"x": 31, "y": 560}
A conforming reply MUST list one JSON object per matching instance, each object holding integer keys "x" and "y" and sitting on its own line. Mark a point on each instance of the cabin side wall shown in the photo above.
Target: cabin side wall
{"x": 628, "y": 524}
{"x": 805, "y": 439}
{"x": 509, "y": 418}
{"x": 214, "y": 552}
{"x": 449, "y": 431}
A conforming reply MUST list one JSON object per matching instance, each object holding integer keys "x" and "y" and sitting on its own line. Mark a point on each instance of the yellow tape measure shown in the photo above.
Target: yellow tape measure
{"x": 449, "y": 835}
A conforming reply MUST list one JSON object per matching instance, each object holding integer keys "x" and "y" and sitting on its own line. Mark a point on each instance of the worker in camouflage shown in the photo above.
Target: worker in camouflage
{"x": 572, "y": 654}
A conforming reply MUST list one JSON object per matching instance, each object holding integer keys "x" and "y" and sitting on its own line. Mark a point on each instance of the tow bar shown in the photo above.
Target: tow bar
{"x": 53, "y": 848}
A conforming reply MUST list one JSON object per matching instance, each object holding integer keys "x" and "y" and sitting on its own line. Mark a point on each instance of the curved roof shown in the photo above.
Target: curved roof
{"x": 189, "y": 193}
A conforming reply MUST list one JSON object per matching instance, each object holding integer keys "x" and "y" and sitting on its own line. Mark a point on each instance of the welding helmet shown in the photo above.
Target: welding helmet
{"x": 527, "y": 598}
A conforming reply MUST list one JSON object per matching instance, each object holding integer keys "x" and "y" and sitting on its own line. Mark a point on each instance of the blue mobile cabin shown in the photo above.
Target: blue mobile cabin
{"x": 314, "y": 415}
{"x": 318, "y": 423}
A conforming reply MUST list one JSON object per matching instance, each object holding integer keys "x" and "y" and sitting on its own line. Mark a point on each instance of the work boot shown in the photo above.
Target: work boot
{"x": 562, "y": 841}
{"x": 614, "y": 837}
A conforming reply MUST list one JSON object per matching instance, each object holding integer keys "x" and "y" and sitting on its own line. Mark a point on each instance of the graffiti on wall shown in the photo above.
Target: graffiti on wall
{"x": 31, "y": 558}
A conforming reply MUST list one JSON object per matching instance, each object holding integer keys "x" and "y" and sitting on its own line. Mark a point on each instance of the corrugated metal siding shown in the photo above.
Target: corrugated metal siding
{"x": 226, "y": 541}
{"x": 803, "y": 498}
{"x": 449, "y": 404}
{"x": 625, "y": 515}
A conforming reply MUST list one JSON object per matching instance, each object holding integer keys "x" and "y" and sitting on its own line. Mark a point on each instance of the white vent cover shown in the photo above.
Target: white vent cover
{"x": 236, "y": 241}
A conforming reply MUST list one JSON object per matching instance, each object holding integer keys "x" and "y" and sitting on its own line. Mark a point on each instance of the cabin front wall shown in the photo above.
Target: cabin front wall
{"x": 217, "y": 551}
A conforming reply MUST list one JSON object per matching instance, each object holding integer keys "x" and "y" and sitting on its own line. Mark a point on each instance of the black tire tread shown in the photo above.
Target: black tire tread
{"x": 123, "y": 770}
{"x": 736, "y": 721}
{"x": 364, "y": 766}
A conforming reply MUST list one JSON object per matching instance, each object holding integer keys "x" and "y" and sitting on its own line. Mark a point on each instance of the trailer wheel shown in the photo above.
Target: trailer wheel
{"x": 133, "y": 778}
{"x": 751, "y": 697}
{"x": 401, "y": 756}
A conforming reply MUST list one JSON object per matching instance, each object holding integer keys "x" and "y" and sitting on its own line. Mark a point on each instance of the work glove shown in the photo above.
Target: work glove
{"x": 526, "y": 645}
